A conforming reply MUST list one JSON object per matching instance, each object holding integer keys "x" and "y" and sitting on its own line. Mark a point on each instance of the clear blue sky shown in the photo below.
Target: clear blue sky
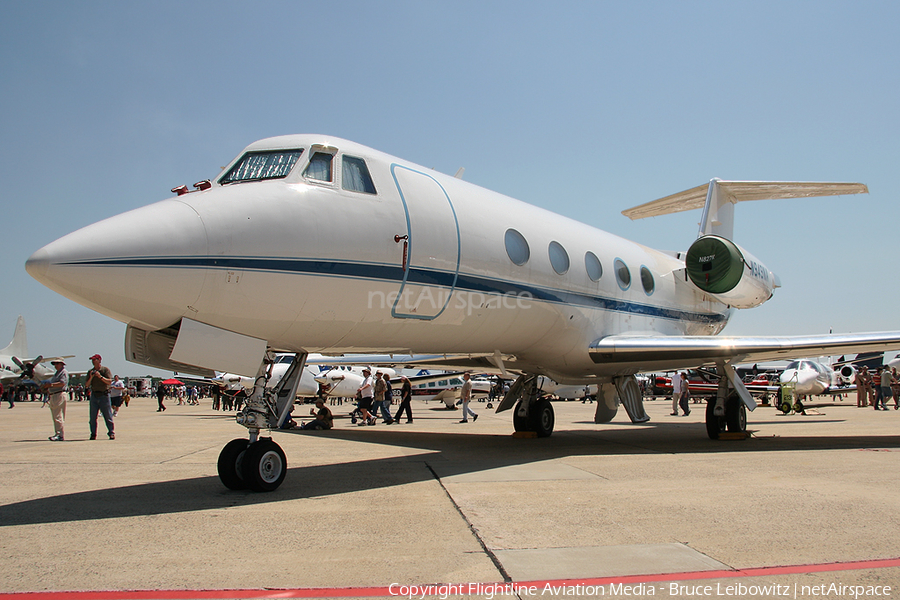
{"x": 585, "y": 108}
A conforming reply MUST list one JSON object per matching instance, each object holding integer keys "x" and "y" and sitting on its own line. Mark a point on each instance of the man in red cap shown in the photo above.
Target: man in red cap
{"x": 98, "y": 380}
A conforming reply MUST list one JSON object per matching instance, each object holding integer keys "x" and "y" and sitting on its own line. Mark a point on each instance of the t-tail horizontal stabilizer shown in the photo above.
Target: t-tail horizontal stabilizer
{"x": 717, "y": 199}
{"x": 714, "y": 263}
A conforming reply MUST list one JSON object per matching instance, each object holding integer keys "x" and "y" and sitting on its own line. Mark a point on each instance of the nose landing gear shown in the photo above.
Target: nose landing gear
{"x": 259, "y": 464}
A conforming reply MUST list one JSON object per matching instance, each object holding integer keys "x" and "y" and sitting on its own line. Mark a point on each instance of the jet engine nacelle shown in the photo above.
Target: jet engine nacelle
{"x": 729, "y": 273}
{"x": 847, "y": 374}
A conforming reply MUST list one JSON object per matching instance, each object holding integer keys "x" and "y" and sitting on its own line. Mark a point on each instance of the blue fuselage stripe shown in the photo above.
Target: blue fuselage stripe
{"x": 417, "y": 276}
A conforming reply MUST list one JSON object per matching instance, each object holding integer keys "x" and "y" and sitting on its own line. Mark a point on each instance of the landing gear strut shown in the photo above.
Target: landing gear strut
{"x": 259, "y": 464}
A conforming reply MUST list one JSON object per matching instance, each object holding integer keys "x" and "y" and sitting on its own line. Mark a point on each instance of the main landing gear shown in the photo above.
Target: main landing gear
{"x": 532, "y": 412}
{"x": 734, "y": 419}
{"x": 727, "y": 411}
{"x": 258, "y": 463}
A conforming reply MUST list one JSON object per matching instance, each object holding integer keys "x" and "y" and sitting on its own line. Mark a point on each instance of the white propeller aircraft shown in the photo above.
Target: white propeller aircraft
{"x": 306, "y": 388}
{"x": 16, "y": 367}
{"x": 340, "y": 383}
{"x": 264, "y": 258}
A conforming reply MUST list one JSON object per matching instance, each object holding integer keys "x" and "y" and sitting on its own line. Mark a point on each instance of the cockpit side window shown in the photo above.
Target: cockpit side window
{"x": 355, "y": 175}
{"x": 257, "y": 166}
{"x": 820, "y": 368}
{"x": 320, "y": 167}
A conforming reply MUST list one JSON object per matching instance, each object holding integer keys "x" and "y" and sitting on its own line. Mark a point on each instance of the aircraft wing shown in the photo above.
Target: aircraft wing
{"x": 631, "y": 354}
{"x": 45, "y": 359}
{"x": 7, "y": 376}
{"x": 842, "y": 389}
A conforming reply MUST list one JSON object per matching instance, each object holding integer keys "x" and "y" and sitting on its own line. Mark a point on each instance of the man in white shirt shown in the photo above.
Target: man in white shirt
{"x": 366, "y": 394}
{"x": 465, "y": 394}
{"x": 116, "y": 389}
{"x": 676, "y": 393}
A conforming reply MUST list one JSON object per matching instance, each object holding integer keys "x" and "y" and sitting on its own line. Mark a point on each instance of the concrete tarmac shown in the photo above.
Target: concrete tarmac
{"x": 808, "y": 501}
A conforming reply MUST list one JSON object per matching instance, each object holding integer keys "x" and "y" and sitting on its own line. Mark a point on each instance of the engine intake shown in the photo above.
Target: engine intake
{"x": 729, "y": 273}
{"x": 847, "y": 374}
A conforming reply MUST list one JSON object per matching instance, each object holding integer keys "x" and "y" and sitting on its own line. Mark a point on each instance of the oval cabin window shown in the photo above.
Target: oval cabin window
{"x": 516, "y": 247}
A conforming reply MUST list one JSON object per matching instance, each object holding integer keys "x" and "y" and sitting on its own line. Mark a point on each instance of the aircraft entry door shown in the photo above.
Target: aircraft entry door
{"x": 429, "y": 253}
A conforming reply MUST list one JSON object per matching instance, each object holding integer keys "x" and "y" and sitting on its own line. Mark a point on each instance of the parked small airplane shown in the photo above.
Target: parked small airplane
{"x": 704, "y": 383}
{"x": 812, "y": 378}
{"x": 445, "y": 387}
{"x": 264, "y": 258}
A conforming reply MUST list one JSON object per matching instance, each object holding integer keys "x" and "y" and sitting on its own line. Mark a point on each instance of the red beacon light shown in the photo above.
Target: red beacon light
{"x": 203, "y": 185}
{"x": 181, "y": 190}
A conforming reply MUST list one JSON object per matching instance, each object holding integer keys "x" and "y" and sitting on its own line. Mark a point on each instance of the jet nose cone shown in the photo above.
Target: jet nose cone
{"x": 37, "y": 264}
{"x": 790, "y": 376}
{"x": 131, "y": 267}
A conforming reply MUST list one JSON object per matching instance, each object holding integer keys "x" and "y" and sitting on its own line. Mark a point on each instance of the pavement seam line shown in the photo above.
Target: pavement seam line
{"x": 174, "y": 458}
{"x": 490, "y": 553}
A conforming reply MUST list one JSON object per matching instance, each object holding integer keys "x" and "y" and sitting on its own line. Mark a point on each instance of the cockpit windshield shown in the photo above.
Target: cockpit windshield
{"x": 807, "y": 364}
{"x": 256, "y": 166}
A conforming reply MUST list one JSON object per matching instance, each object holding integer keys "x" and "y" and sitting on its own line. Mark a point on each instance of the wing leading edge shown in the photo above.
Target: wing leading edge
{"x": 653, "y": 353}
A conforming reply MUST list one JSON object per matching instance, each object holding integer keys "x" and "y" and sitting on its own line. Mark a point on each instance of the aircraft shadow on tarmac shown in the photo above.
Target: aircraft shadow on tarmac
{"x": 442, "y": 453}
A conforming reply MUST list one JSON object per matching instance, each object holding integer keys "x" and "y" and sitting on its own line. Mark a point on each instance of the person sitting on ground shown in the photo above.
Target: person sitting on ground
{"x": 323, "y": 417}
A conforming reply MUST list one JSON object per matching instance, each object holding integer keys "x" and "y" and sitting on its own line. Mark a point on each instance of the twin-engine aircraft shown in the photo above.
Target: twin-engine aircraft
{"x": 309, "y": 243}
{"x": 812, "y": 378}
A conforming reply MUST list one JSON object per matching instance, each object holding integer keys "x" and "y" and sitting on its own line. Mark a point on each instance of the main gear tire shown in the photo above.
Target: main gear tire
{"x": 542, "y": 418}
{"x": 735, "y": 414}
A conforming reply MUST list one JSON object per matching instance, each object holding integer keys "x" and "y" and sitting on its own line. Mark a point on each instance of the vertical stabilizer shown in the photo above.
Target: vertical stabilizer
{"x": 718, "y": 213}
{"x": 18, "y": 347}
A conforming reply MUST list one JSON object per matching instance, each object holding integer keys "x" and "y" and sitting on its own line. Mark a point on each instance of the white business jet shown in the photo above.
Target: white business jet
{"x": 812, "y": 378}
{"x": 264, "y": 258}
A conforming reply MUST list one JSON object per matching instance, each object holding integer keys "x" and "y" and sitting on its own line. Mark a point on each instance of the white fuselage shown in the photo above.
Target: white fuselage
{"x": 421, "y": 266}
{"x": 810, "y": 378}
